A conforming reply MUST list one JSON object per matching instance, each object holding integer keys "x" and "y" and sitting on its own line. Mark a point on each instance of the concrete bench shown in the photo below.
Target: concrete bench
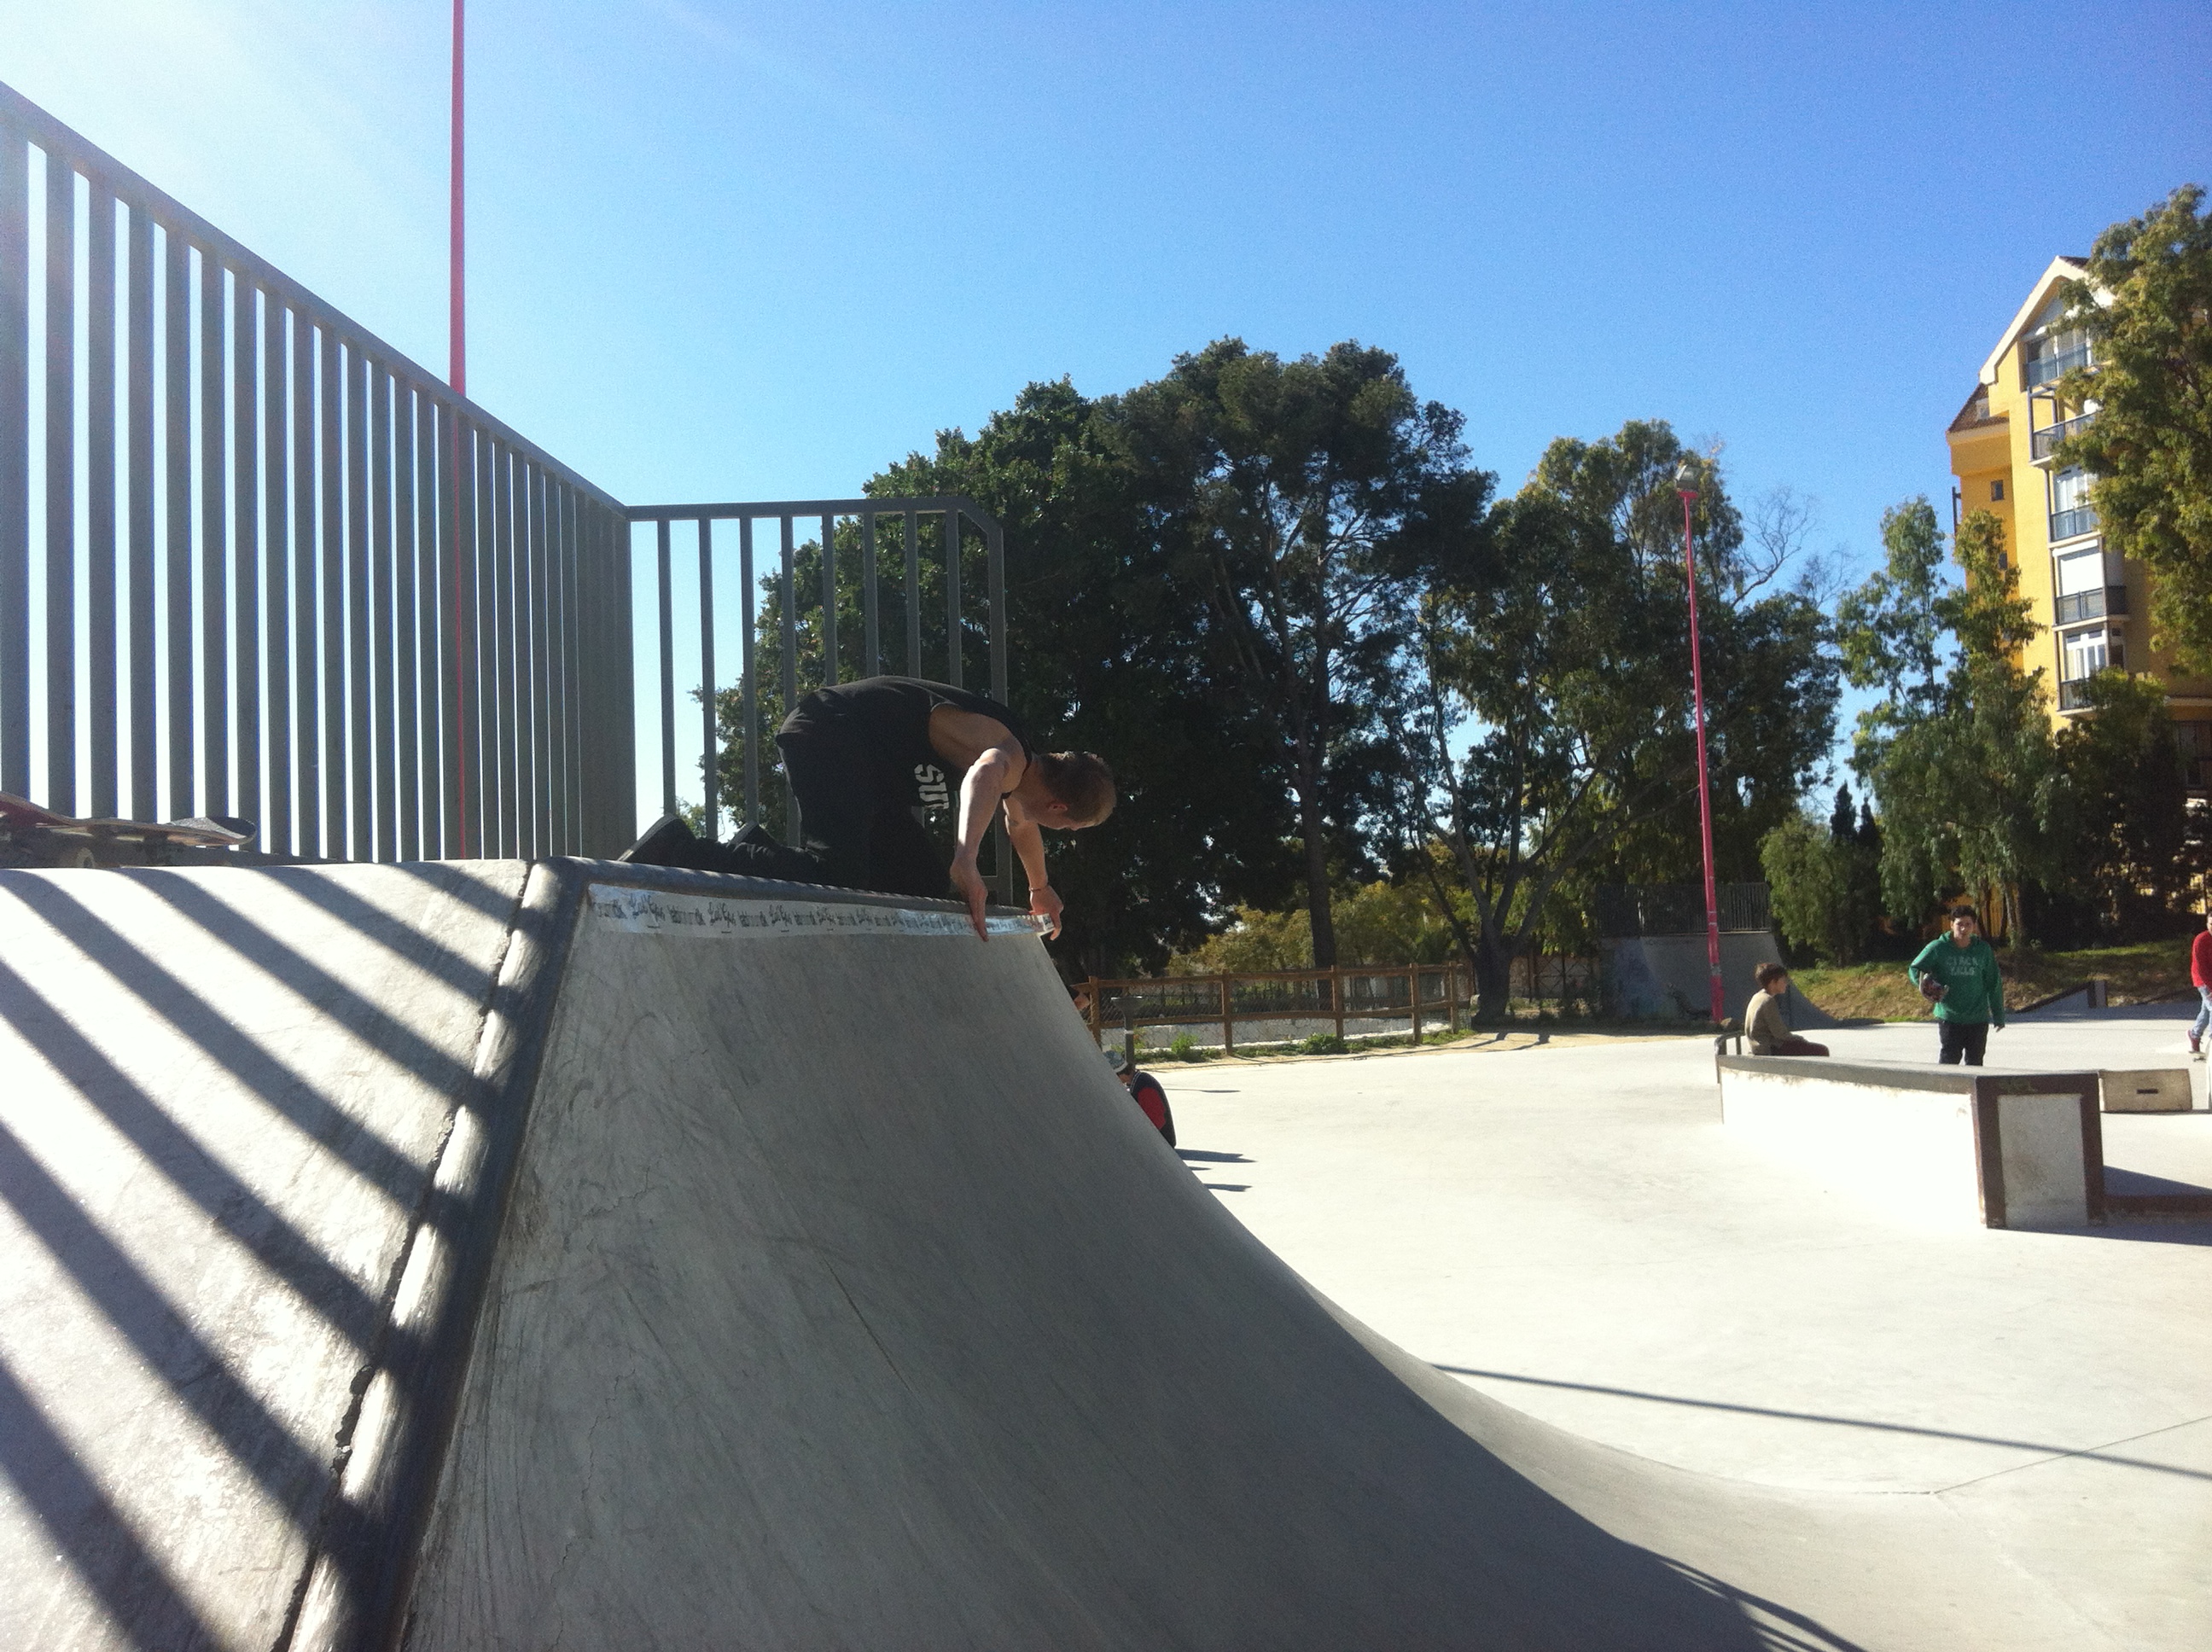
{"x": 2147, "y": 1090}
{"x": 1952, "y": 1146}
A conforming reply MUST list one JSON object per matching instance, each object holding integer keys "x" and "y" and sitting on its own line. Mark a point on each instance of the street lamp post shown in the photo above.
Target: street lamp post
{"x": 1686, "y": 483}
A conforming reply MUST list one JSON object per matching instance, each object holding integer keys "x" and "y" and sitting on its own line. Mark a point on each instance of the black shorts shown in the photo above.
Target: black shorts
{"x": 1970, "y": 1039}
{"x": 856, "y": 827}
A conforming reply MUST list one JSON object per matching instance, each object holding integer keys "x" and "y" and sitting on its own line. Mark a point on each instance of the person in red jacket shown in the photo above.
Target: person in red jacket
{"x": 2200, "y": 975}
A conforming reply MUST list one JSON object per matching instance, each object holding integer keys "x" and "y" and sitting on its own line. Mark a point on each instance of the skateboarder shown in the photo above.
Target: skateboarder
{"x": 866, "y": 759}
{"x": 1958, "y": 972}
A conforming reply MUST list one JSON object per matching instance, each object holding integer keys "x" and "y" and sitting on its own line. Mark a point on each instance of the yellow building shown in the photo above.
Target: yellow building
{"x": 2091, "y": 604}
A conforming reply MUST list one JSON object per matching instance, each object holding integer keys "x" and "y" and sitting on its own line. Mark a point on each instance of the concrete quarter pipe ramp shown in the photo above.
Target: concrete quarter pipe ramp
{"x": 487, "y": 1255}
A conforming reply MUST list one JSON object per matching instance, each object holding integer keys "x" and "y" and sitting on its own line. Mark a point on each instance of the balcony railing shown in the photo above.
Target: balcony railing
{"x": 2055, "y": 365}
{"x": 2043, "y": 442}
{"x": 2091, "y": 605}
{"x": 2075, "y": 696}
{"x": 2072, "y": 524}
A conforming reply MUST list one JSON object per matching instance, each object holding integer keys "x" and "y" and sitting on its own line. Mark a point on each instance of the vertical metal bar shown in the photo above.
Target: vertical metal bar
{"x": 15, "y": 463}
{"x": 790, "y": 651}
{"x": 557, "y": 839}
{"x": 872, "y": 653}
{"x": 177, "y": 471}
{"x": 994, "y": 544}
{"x": 913, "y": 594}
{"x": 482, "y": 715}
{"x": 245, "y": 545}
{"x": 953, "y": 637}
{"x": 748, "y": 701}
{"x": 139, "y": 597}
{"x": 709, "y": 774}
{"x": 406, "y": 578}
{"x": 667, "y": 675}
{"x": 579, "y": 663}
{"x": 360, "y": 685}
{"x": 276, "y": 576}
{"x": 506, "y": 748}
{"x": 541, "y": 657}
{"x": 453, "y": 673}
{"x": 215, "y": 561}
{"x": 100, "y": 489}
{"x": 61, "y": 486}
{"x": 829, "y": 600}
{"x": 306, "y": 570}
{"x": 385, "y": 644}
{"x": 330, "y": 384}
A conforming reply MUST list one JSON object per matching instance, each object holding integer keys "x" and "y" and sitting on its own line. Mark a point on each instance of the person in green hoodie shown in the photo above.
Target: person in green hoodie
{"x": 1958, "y": 971}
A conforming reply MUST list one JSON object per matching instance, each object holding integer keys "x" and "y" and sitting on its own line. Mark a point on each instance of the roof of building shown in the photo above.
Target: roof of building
{"x": 2064, "y": 268}
{"x": 1976, "y": 411}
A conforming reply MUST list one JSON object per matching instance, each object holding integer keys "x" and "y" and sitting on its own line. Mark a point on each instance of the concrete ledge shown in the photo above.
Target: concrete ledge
{"x": 1953, "y": 1145}
{"x": 2147, "y": 1089}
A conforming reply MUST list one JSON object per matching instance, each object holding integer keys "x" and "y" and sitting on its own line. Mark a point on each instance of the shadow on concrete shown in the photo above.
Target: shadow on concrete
{"x": 2050, "y": 1451}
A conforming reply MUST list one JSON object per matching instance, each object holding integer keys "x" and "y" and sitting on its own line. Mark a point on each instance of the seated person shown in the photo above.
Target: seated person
{"x": 1762, "y": 1018}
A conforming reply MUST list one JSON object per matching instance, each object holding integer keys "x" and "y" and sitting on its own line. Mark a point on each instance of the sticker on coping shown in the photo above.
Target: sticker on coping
{"x": 705, "y": 918}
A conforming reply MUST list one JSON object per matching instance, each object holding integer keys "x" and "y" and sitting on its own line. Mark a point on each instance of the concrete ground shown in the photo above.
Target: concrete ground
{"x": 1569, "y": 1229}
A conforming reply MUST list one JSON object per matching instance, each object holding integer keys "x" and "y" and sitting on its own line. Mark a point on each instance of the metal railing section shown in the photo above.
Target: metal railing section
{"x": 1624, "y": 911}
{"x": 2072, "y": 524}
{"x": 2042, "y": 443}
{"x": 2053, "y": 365}
{"x": 2091, "y": 605}
{"x": 281, "y": 570}
{"x": 900, "y": 539}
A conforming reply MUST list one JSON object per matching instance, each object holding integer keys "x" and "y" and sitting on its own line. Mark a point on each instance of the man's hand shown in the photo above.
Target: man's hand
{"x": 973, "y": 890}
{"x": 1043, "y": 903}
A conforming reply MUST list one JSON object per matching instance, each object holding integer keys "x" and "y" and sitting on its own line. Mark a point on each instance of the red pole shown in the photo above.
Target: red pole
{"x": 457, "y": 373}
{"x": 1704, "y": 783}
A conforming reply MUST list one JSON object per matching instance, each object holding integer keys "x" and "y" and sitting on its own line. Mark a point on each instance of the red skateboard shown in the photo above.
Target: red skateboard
{"x": 31, "y": 835}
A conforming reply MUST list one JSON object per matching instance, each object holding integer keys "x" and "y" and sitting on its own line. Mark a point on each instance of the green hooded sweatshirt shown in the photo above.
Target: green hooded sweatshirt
{"x": 1975, "y": 991}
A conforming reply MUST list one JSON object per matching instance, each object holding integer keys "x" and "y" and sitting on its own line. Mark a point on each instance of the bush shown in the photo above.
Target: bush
{"x": 1183, "y": 1047}
{"x": 1323, "y": 1043}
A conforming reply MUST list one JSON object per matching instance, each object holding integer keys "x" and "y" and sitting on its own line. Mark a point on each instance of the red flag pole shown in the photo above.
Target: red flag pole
{"x": 1683, "y": 480}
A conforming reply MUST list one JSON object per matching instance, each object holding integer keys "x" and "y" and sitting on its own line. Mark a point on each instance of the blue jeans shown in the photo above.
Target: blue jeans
{"x": 2203, "y": 1015}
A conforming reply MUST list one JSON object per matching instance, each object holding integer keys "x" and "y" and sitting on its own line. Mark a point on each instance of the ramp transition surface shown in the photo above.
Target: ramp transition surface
{"x": 485, "y": 1254}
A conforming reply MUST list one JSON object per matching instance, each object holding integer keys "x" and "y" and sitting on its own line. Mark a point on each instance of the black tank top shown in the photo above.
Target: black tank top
{"x": 890, "y": 717}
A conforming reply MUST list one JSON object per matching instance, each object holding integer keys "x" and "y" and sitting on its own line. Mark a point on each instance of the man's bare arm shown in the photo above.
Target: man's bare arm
{"x": 988, "y": 780}
{"x": 1028, "y": 846}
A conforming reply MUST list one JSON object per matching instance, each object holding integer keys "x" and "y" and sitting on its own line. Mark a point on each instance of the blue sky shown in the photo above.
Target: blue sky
{"x": 731, "y": 250}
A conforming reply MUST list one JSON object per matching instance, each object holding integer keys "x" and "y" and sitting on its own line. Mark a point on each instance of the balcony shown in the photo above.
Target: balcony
{"x": 2090, "y": 604}
{"x": 2055, "y": 365}
{"x": 2072, "y": 524}
{"x": 2042, "y": 443}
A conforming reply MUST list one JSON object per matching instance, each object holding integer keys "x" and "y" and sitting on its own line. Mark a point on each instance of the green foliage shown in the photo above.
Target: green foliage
{"x": 1312, "y": 494}
{"x": 1825, "y": 884}
{"x": 2145, "y": 303}
{"x": 1183, "y": 1047}
{"x": 2134, "y": 849}
{"x": 1377, "y": 923}
{"x": 1959, "y": 749}
{"x": 1546, "y": 708}
{"x": 1323, "y": 1043}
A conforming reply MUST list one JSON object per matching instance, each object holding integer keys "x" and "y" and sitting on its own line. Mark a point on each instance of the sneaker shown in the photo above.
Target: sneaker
{"x": 2193, "y": 1048}
{"x": 668, "y": 842}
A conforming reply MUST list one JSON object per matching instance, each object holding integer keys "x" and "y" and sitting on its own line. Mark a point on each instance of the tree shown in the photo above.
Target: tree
{"x": 2131, "y": 854}
{"x": 1544, "y": 708}
{"x": 1114, "y": 651}
{"x": 1959, "y": 748}
{"x": 1824, "y": 885}
{"x": 2145, "y": 303}
{"x": 1317, "y": 492}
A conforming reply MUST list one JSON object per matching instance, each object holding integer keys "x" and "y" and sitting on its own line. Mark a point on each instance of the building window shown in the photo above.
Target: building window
{"x": 1996, "y": 493}
{"x": 2086, "y": 652}
{"x": 2194, "y": 740}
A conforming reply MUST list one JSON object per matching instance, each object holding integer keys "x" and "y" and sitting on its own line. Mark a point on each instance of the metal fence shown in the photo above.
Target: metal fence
{"x": 265, "y": 565}
{"x": 875, "y": 532}
{"x": 1624, "y": 911}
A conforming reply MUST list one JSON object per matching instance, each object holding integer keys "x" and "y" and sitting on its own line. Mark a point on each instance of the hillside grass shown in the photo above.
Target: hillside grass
{"x": 1880, "y": 992}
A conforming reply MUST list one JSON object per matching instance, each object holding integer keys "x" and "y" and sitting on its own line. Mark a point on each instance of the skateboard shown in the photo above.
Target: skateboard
{"x": 35, "y": 836}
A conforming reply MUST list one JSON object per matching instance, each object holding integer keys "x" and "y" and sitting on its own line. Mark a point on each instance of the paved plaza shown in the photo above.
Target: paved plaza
{"x": 1568, "y": 1229}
